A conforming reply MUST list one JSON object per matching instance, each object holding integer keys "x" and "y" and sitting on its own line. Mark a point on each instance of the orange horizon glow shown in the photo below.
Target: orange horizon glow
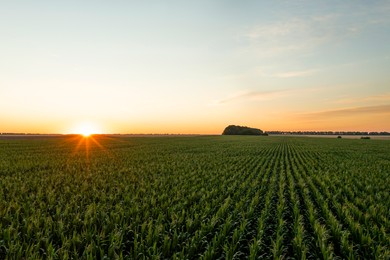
{"x": 355, "y": 123}
{"x": 363, "y": 119}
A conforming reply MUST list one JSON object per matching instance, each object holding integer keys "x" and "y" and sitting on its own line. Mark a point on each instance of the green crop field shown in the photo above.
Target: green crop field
{"x": 216, "y": 197}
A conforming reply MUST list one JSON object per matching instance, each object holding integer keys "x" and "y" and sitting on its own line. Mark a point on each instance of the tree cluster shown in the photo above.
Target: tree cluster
{"x": 242, "y": 130}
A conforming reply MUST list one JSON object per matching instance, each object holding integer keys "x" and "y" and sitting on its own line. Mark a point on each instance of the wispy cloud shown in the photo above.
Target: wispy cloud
{"x": 346, "y": 112}
{"x": 292, "y": 35}
{"x": 272, "y": 72}
{"x": 293, "y": 74}
{"x": 260, "y": 95}
{"x": 385, "y": 97}
{"x": 252, "y": 95}
{"x": 304, "y": 33}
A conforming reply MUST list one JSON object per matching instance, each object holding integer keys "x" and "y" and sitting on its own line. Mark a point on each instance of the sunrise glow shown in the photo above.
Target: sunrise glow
{"x": 86, "y": 134}
{"x": 86, "y": 129}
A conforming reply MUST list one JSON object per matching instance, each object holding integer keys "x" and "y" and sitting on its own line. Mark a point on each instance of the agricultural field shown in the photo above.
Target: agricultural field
{"x": 207, "y": 197}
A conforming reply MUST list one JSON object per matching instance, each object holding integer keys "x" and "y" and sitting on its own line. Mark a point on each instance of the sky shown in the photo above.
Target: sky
{"x": 194, "y": 66}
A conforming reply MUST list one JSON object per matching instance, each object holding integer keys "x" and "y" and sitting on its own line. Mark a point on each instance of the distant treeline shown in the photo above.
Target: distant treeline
{"x": 325, "y": 133}
{"x": 12, "y": 133}
{"x": 27, "y": 134}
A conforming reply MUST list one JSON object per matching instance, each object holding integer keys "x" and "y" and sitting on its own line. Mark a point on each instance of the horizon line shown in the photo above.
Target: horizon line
{"x": 324, "y": 132}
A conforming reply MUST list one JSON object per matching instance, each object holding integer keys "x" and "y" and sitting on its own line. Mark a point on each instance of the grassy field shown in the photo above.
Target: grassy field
{"x": 194, "y": 197}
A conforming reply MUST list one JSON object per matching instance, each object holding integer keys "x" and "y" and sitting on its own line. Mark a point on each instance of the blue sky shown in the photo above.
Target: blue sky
{"x": 194, "y": 67}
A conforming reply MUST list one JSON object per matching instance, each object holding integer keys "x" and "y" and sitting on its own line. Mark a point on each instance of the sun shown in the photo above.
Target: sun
{"x": 86, "y": 133}
{"x": 86, "y": 129}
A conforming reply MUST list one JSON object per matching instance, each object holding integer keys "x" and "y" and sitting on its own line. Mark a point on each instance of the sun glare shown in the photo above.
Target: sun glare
{"x": 86, "y": 129}
{"x": 86, "y": 134}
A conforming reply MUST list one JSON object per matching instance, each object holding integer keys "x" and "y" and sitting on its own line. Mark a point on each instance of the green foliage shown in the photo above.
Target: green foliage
{"x": 242, "y": 130}
{"x": 229, "y": 197}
